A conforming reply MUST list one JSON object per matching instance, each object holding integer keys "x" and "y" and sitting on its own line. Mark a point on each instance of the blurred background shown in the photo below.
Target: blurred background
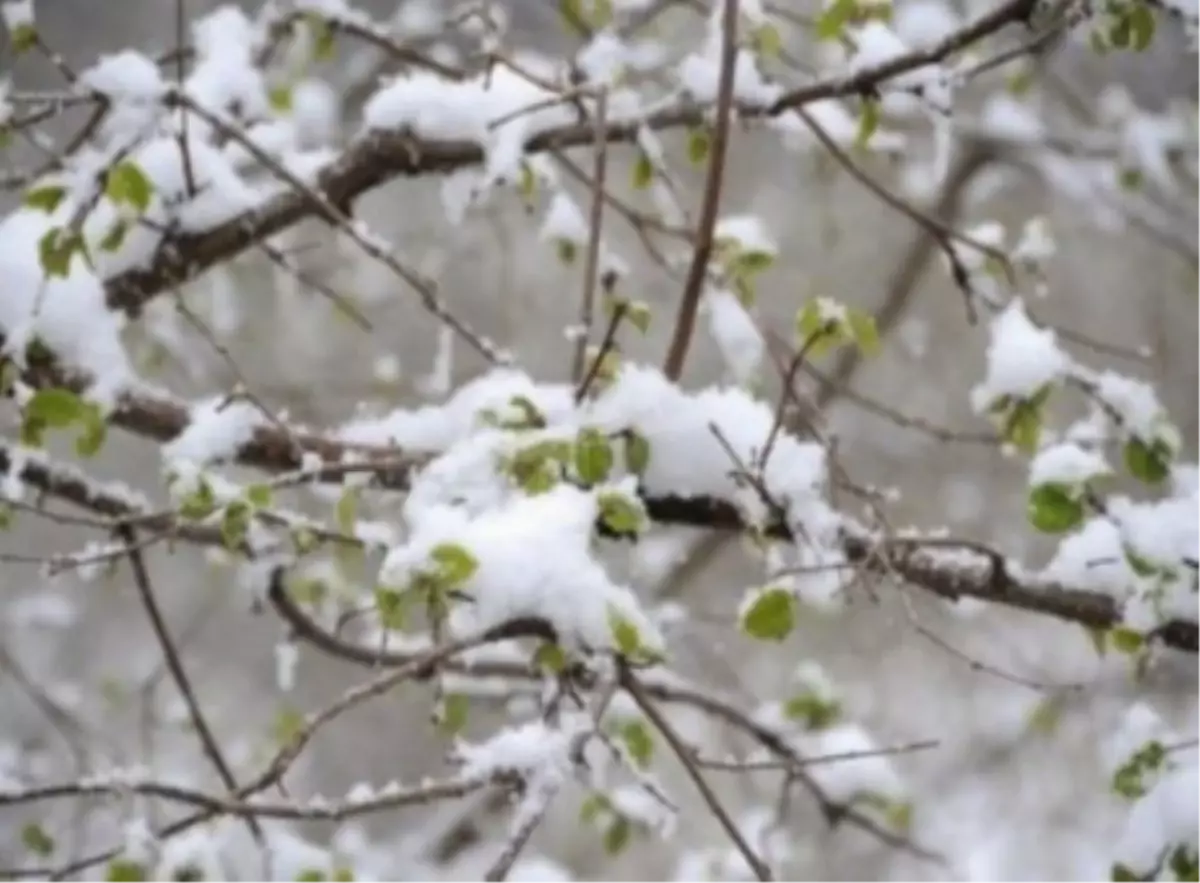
{"x": 1011, "y": 792}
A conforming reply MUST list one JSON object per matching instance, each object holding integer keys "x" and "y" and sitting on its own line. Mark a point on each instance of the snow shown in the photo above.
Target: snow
{"x": 564, "y": 222}
{"x": 16, "y": 14}
{"x": 1066, "y": 464}
{"x": 1021, "y": 358}
{"x": 563, "y": 584}
{"x": 923, "y": 23}
{"x": 748, "y": 232}
{"x": 533, "y": 751}
{"x": 217, "y": 429}
{"x": 1137, "y": 404}
{"x": 127, "y": 76}
{"x": 68, "y": 313}
{"x": 738, "y": 338}
{"x": 687, "y": 458}
{"x": 500, "y": 113}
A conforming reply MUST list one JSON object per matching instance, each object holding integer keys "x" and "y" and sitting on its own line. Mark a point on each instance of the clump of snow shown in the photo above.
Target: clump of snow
{"x": 747, "y": 232}
{"x": 68, "y": 314}
{"x": 217, "y": 429}
{"x": 686, "y": 457}
{"x": 534, "y": 750}
{"x": 1068, "y": 464}
{"x": 736, "y": 334}
{"x": 534, "y": 559}
{"x": 1141, "y": 413}
{"x": 1021, "y": 358}
{"x": 17, "y": 14}
{"x": 500, "y": 111}
{"x": 564, "y": 222}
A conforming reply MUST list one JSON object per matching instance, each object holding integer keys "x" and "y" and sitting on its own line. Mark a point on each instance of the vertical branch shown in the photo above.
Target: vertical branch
{"x": 212, "y": 749}
{"x": 595, "y": 220}
{"x": 689, "y": 305}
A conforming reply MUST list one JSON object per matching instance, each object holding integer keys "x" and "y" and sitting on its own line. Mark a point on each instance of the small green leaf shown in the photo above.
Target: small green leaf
{"x": 455, "y": 563}
{"x": 638, "y": 313}
{"x": 767, "y": 41}
{"x": 699, "y": 143}
{"x": 259, "y": 495}
{"x": 834, "y": 18}
{"x": 125, "y": 871}
{"x": 551, "y": 658}
{"x": 637, "y": 452}
{"x": 235, "y": 524}
{"x": 772, "y": 616}
{"x": 35, "y": 839}
{"x": 55, "y": 250}
{"x": 23, "y": 37}
{"x": 280, "y": 98}
{"x": 310, "y": 875}
{"x": 616, "y": 838}
{"x": 1185, "y": 862}
{"x": 127, "y": 183}
{"x": 188, "y": 873}
{"x": 566, "y": 250}
{"x": 1126, "y": 640}
{"x": 95, "y": 430}
{"x": 452, "y": 715}
{"x": 287, "y": 726}
{"x": 593, "y": 456}
{"x": 862, "y": 327}
{"x": 323, "y": 37}
{"x": 638, "y": 742}
{"x": 593, "y": 807}
{"x": 1122, "y": 873}
{"x": 345, "y": 513}
{"x": 1141, "y": 26}
{"x": 1150, "y": 463}
{"x": 57, "y": 408}
{"x": 115, "y": 237}
{"x": 47, "y": 197}
{"x": 622, "y": 515}
{"x": 868, "y": 123}
{"x": 200, "y": 503}
{"x": 643, "y": 171}
{"x": 392, "y": 607}
{"x": 816, "y": 713}
{"x": 1055, "y": 508}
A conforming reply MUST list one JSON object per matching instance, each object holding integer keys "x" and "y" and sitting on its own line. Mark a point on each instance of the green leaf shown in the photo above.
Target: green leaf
{"x": 638, "y": 314}
{"x": 343, "y": 875}
{"x": 593, "y": 456}
{"x": 455, "y": 563}
{"x": 392, "y": 607}
{"x": 55, "y": 250}
{"x": 1130, "y": 779}
{"x": 868, "y": 123}
{"x": 772, "y": 616}
{"x": 616, "y": 838}
{"x": 1141, "y": 26}
{"x": 834, "y": 18}
{"x": 1122, "y": 873}
{"x": 345, "y": 513}
{"x": 122, "y": 870}
{"x": 287, "y": 726}
{"x": 815, "y": 712}
{"x": 235, "y": 524}
{"x": 637, "y": 452}
{"x": 35, "y": 839}
{"x": 593, "y": 807}
{"x": 638, "y": 742}
{"x": 128, "y": 184}
{"x": 531, "y": 417}
{"x": 47, "y": 197}
{"x": 188, "y": 873}
{"x": 862, "y": 327}
{"x": 1185, "y": 862}
{"x": 95, "y": 430}
{"x": 643, "y": 171}
{"x": 259, "y": 495}
{"x": 566, "y": 250}
{"x": 622, "y": 515}
{"x": 56, "y": 408}
{"x": 323, "y": 37}
{"x": 200, "y": 503}
{"x": 115, "y": 237}
{"x": 624, "y": 633}
{"x": 1055, "y": 508}
{"x": 699, "y": 143}
{"x": 280, "y": 98}
{"x": 767, "y": 41}
{"x": 1150, "y": 463}
{"x": 551, "y": 658}
{"x": 452, "y": 715}
{"x": 1126, "y": 640}
{"x": 310, "y": 875}
{"x": 23, "y": 37}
